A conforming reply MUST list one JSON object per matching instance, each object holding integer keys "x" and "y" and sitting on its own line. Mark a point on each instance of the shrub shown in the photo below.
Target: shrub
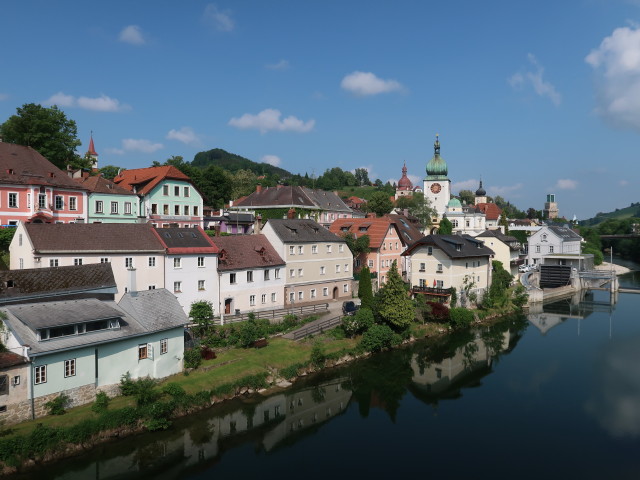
{"x": 318, "y": 356}
{"x": 439, "y": 312}
{"x": 289, "y": 321}
{"x": 56, "y": 405}
{"x": 127, "y": 386}
{"x": 377, "y": 338}
{"x": 192, "y": 359}
{"x": 461, "y": 317}
{"x": 101, "y": 404}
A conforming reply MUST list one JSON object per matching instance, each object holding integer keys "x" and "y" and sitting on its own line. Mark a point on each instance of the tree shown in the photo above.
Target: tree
{"x": 467, "y": 196}
{"x": 503, "y": 222}
{"x": 202, "y": 313}
{"x": 362, "y": 176}
{"x": 393, "y": 304}
{"x": 357, "y": 245}
{"x": 110, "y": 171}
{"x": 445, "y": 228}
{"x": 365, "y": 294}
{"x": 380, "y": 204}
{"x": 423, "y": 210}
{"x": 47, "y": 130}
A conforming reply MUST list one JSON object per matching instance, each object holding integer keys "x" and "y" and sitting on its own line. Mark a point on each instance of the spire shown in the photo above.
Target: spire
{"x": 92, "y": 148}
{"x": 436, "y": 146}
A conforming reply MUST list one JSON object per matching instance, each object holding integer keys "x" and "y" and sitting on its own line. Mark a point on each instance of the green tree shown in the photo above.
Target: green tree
{"x": 423, "y": 210}
{"x": 110, "y": 171}
{"x": 467, "y": 196}
{"x": 47, "y": 130}
{"x": 394, "y": 306}
{"x": 445, "y": 228}
{"x": 357, "y": 245}
{"x": 201, "y": 313}
{"x": 503, "y": 222}
{"x": 380, "y": 204}
{"x": 365, "y": 293}
{"x": 362, "y": 176}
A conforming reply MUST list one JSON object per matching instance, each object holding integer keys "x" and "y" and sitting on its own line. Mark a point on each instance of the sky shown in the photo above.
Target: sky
{"x": 531, "y": 97}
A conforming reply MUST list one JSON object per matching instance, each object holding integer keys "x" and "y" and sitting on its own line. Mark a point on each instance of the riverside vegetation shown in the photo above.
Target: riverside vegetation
{"x": 385, "y": 320}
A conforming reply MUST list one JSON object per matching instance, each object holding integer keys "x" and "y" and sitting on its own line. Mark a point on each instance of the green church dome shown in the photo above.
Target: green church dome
{"x": 437, "y": 167}
{"x": 454, "y": 202}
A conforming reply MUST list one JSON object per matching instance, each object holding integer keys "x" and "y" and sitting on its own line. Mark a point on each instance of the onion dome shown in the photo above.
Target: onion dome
{"x": 454, "y": 203}
{"x": 404, "y": 183}
{"x": 437, "y": 167}
{"x": 480, "y": 192}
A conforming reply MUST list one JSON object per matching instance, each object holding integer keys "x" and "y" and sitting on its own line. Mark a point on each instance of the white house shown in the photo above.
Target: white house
{"x": 550, "y": 240}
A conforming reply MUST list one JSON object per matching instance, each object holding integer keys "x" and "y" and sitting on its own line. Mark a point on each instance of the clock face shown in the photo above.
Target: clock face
{"x": 435, "y": 188}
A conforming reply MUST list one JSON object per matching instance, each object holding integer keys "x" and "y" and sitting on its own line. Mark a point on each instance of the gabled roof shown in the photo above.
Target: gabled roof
{"x": 10, "y": 359}
{"x": 52, "y": 281}
{"x": 156, "y": 309}
{"x": 246, "y": 251}
{"x": 565, "y": 234}
{"x": 409, "y": 232}
{"x": 300, "y": 231}
{"x": 455, "y": 246}
{"x": 326, "y": 200}
{"x": 184, "y": 241}
{"x": 293, "y": 196}
{"x": 99, "y": 184}
{"x": 512, "y": 242}
{"x": 93, "y": 237}
{"x": 490, "y": 210}
{"x": 146, "y": 179}
{"x": 375, "y": 228}
{"x": 25, "y": 166}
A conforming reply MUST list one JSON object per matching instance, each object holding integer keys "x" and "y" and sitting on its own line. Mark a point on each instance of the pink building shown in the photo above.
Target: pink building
{"x": 33, "y": 190}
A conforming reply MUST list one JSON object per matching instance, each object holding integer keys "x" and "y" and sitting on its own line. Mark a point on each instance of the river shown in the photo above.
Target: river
{"x": 555, "y": 395}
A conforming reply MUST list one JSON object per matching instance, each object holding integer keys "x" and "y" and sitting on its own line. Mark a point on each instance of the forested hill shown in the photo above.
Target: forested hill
{"x": 631, "y": 211}
{"x": 232, "y": 163}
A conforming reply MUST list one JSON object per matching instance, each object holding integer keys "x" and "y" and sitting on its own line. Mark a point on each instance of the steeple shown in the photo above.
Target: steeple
{"x": 437, "y": 167}
{"x": 92, "y": 153}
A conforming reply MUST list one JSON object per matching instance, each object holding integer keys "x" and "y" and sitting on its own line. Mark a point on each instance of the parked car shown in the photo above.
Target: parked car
{"x": 349, "y": 307}
{"x": 523, "y": 268}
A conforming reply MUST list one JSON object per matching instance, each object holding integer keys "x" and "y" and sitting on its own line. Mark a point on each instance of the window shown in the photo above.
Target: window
{"x": 300, "y": 295}
{"x": 300, "y": 272}
{"x": 340, "y": 248}
{"x": 440, "y": 284}
{"x": 370, "y": 263}
{"x": 128, "y": 262}
{"x": 40, "y": 374}
{"x": 232, "y": 278}
{"x": 328, "y": 248}
{"x": 200, "y": 261}
{"x": 176, "y": 191}
{"x": 70, "y": 368}
{"x": 165, "y": 209}
{"x": 266, "y": 274}
{"x": 292, "y": 297}
{"x": 325, "y": 292}
{"x": 264, "y": 298}
{"x": 99, "y": 206}
{"x": 4, "y": 384}
{"x": 439, "y": 269}
{"x": 423, "y": 283}
{"x": 77, "y": 261}
{"x": 300, "y": 250}
{"x": 42, "y": 200}
{"x": 53, "y": 262}
{"x": 550, "y": 248}
{"x": 277, "y": 273}
{"x": 250, "y": 276}
{"x": 273, "y": 297}
{"x": 187, "y": 192}
{"x": 313, "y": 293}
{"x": 323, "y": 270}
{"x": 154, "y": 209}
{"x": 16, "y": 380}
{"x": 59, "y": 202}
{"x": 13, "y": 200}
{"x": 152, "y": 287}
{"x": 21, "y": 264}
{"x": 165, "y": 189}
{"x": 114, "y": 207}
{"x": 145, "y": 350}
{"x": 127, "y": 208}
{"x": 252, "y": 300}
{"x": 292, "y": 250}
{"x": 195, "y": 211}
{"x": 200, "y": 285}
{"x": 337, "y": 268}
{"x": 164, "y": 346}
{"x": 429, "y": 250}
{"x": 292, "y": 273}
{"x": 186, "y": 210}
{"x": 152, "y": 261}
{"x": 177, "y": 262}
{"x": 423, "y": 267}
{"x": 176, "y": 209}
{"x": 314, "y": 249}
{"x": 537, "y": 248}
{"x": 345, "y": 288}
{"x": 73, "y": 203}
{"x": 177, "y": 287}
{"x": 104, "y": 259}
{"x": 346, "y": 267}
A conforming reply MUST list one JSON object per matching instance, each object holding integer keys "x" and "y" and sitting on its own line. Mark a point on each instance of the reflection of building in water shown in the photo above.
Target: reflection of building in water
{"x": 577, "y": 306}
{"x": 467, "y": 365}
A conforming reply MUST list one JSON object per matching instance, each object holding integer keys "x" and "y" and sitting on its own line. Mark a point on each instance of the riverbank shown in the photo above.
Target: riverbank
{"x": 618, "y": 269}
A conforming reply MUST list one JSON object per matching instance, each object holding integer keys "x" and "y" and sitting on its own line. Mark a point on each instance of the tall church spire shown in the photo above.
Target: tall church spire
{"x": 91, "y": 153}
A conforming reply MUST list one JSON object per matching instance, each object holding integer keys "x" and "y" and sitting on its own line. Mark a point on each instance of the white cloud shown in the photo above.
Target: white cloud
{"x": 534, "y": 78}
{"x": 102, "y": 103}
{"x": 140, "y": 145}
{"x": 114, "y": 151}
{"x": 132, "y": 34}
{"x": 281, "y": 65}
{"x": 272, "y": 160}
{"x": 366, "y": 83}
{"x": 269, "y": 119}
{"x": 565, "y": 184}
{"x": 185, "y": 135}
{"x": 617, "y": 65}
{"x": 505, "y": 191}
{"x": 471, "y": 184}
{"x": 220, "y": 20}
{"x": 623, "y": 183}
{"x": 4, "y": 96}
{"x": 415, "y": 180}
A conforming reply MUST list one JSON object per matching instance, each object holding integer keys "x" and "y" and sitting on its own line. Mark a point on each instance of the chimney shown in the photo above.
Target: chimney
{"x": 291, "y": 214}
{"x": 132, "y": 281}
{"x": 257, "y": 225}
{"x": 258, "y": 188}
{"x": 405, "y": 212}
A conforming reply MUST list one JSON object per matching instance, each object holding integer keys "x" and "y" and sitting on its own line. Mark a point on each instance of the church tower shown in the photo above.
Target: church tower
{"x": 437, "y": 186}
{"x": 481, "y": 194}
{"x": 404, "y": 187}
{"x": 92, "y": 154}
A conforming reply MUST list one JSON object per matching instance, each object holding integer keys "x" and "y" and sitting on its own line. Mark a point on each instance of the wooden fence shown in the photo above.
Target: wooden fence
{"x": 275, "y": 316}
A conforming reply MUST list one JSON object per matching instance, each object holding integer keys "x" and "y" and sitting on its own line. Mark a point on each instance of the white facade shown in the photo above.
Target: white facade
{"x": 251, "y": 289}
{"x": 192, "y": 278}
{"x": 549, "y": 240}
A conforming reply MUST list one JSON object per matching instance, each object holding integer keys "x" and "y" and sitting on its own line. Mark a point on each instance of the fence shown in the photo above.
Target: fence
{"x": 315, "y": 327}
{"x": 275, "y": 316}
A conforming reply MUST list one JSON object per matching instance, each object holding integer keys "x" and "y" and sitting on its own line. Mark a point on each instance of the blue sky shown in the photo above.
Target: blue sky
{"x": 532, "y": 97}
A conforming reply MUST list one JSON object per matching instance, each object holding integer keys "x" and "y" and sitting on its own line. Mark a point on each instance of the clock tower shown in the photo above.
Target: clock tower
{"x": 437, "y": 186}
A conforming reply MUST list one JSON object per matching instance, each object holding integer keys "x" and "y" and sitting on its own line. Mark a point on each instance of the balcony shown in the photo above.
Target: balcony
{"x": 434, "y": 291}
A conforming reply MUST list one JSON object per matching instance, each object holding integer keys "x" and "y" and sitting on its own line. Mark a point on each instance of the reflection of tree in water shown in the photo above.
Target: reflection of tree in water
{"x": 318, "y": 394}
{"x": 201, "y": 433}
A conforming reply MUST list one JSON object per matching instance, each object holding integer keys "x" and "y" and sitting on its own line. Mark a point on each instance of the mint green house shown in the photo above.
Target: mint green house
{"x": 109, "y": 203}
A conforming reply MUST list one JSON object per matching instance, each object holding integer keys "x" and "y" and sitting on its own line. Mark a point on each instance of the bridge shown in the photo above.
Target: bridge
{"x": 620, "y": 235}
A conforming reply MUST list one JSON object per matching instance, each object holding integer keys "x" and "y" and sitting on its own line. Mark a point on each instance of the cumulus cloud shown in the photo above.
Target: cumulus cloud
{"x": 132, "y": 34}
{"x": 102, "y": 103}
{"x": 269, "y": 119}
{"x": 566, "y": 184}
{"x": 471, "y": 184}
{"x": 114, "y": 151}
{"x": 140, "y": 145}
{"x": 281, "y": 65}
{"x": 366, "y": 83}
{"x": 617, "y": 65}
{"x": 534, "y": 78}
{"x": 504, "y": 190}
{"x": 219, "y": 19}
{"x": 272, "y": 160}
{"x": 185, "y": 135}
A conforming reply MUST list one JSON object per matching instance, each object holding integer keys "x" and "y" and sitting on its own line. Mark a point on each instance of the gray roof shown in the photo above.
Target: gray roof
{"x": 565, "y": 234}
{"x": 326, "y": 200}
{"x": 300, "y": 231}
{"x": 455, "y": 246}
{"x": 512, "y": 242}
{"x": 156, "y": 309}
{"x": 293, "y": 196}
{"x": 69, "y": 312}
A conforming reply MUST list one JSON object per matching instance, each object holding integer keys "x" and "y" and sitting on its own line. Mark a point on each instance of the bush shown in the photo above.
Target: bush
{"x": 289, "y": 321}
{"x": 56, "y": 405}
{"x": 192, "y": 359}
{"x": 101, "y": 404}
{"x": 127, "y": 386}
{"x": 439, "y": 312}
{"x": 461, "y": 317}
{"x": 318, "y": 357}
{"x": 143, "y": 389}
{"x": 377, "y": 338}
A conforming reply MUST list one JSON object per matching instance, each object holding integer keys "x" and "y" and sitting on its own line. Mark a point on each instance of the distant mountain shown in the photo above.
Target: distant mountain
{"x": 632, "y": 210}
{"x": 232, "y": 163}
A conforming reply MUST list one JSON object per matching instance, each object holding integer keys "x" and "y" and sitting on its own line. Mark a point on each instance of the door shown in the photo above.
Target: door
{"x": 227, "y": 306}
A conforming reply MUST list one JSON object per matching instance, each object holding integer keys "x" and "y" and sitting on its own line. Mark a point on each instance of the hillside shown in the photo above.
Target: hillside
{"x": 232, "y": 163}
{"x": 632, "y": 210}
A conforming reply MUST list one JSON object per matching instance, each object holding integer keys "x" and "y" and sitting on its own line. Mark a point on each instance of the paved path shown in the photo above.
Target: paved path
{"x": 335, "y": 310}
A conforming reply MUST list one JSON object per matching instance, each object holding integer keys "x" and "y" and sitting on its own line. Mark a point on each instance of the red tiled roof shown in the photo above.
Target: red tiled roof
{"x": 146, "y": 179}
{"x": 92, "y": 149}
{"x": 246, "y": 251}
{"x": 491, "y": 210}
{"x": 377, "y": 228}
{"x": 10, "y": 359}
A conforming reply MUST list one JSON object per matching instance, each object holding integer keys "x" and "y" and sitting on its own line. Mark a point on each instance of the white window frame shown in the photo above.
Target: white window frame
{"x": 73, "y": 203}
{"x": 128, "y": 262}
{"x": 177, "y": 287}
{"x": 40, "y": 374}
{"x": 54, "y": 262}
{"x": 152, "y": 261}
{"x": 99, "y": 206}
{"x": 59, "y": 198}
{"x": 13, "y": 197}
{"x": 273, "y": 297}
{"x": 77, "y": 261}
{"x": 325, "y": 291}
{"x": 177, "y": 262}
{"x": 323, "y": 270}
{"x": 201, "y": 285}
{"x": 70, "y": 368}
{"x": 164, "y": 346}
{"x": 127, "y": 208}
{"x": 200, "y": 262}
{"x": 292, "y": 250}
{"x": 252, "y": 300}
{"x": 314, "y": 249}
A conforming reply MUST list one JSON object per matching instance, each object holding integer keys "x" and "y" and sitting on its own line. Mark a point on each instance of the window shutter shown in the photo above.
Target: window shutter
{"x": 150, "y": 351}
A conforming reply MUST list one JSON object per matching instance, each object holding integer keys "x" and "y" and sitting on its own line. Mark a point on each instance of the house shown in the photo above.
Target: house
{"x": 549, "y": 240}
{"x": 410, "y": 232}
{"x": 233, "y": 223}
{"x": 166, "y": 195}
{"x": 355, "y": 203}
{"x": 251, "y": 274}
{"x": 133, "y": 249}
{"x": 385, "y": 243}
{"x": 108, "y": 202}
{"x": 465, "y": 219}
{"x": 507, "y": 249}
{"x": 319, "y": 205}
{"x": 318, "y": 262}
{"x": 34, "y": 190}
{"x": 189, "y": 265}
{"x": 491, "y": 213}
{"x": 76, "y": 340}
{"x": 443, "y": 262}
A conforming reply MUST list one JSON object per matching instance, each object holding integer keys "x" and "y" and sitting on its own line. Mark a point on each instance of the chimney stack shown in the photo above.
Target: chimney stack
{"x": 291, "y": 214}
{"x": 258, "y": 188}
{"x": 132, "y": 281}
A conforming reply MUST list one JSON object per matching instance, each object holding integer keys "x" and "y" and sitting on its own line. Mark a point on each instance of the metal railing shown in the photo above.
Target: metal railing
{"x": 315, "y": 327}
